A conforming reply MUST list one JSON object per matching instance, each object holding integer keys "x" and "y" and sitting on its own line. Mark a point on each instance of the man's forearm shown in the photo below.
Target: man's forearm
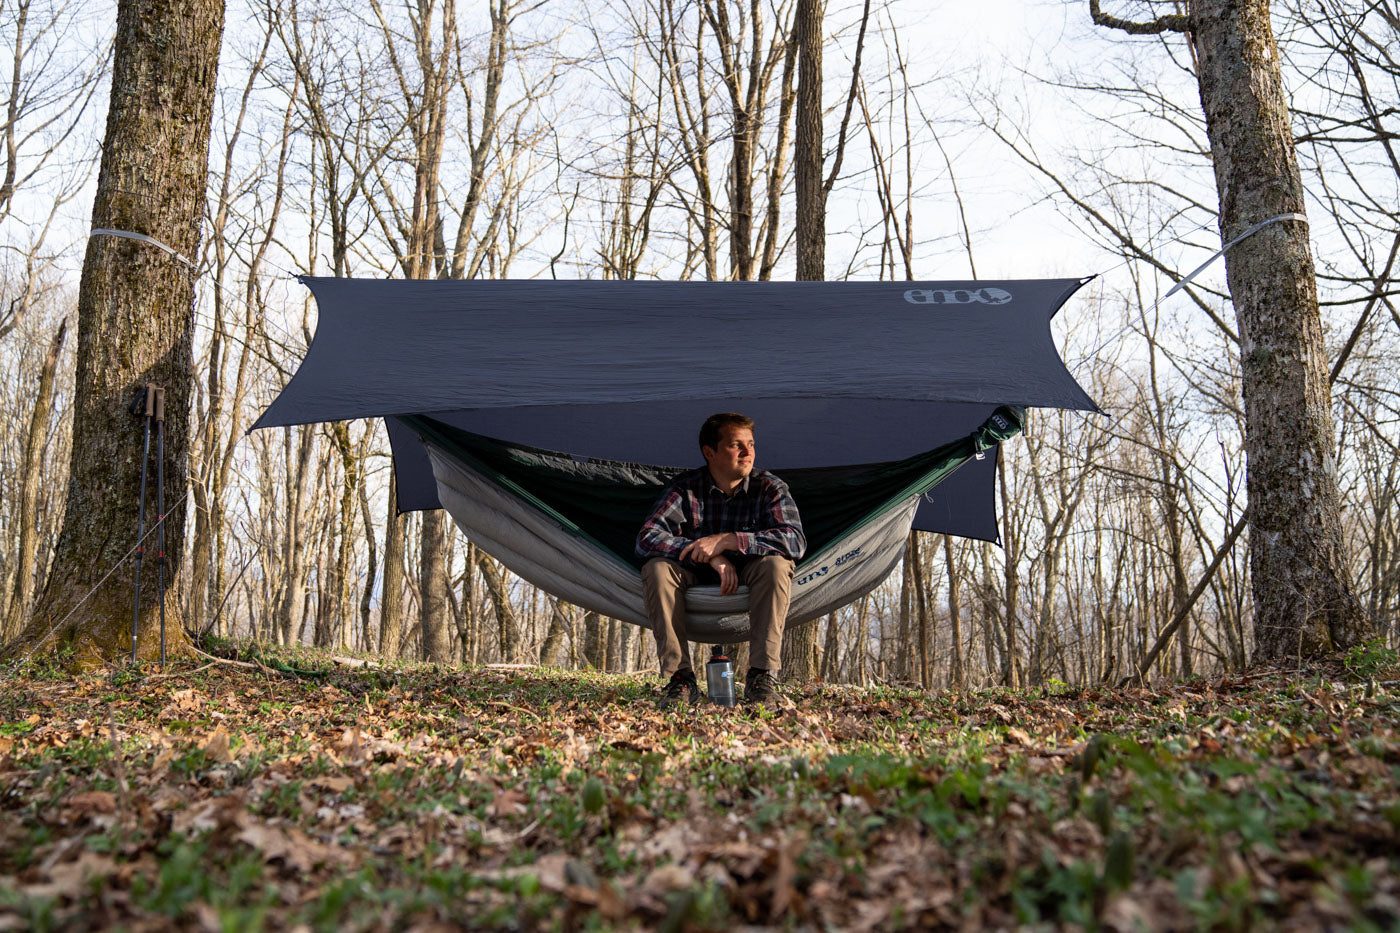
{"x": 785, "y": 541}
{"x": 658, "y": 537}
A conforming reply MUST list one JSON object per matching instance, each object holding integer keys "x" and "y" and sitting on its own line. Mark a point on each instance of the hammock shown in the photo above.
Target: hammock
{"x": 569, "y": 527}
{"x": 547, "y": 417}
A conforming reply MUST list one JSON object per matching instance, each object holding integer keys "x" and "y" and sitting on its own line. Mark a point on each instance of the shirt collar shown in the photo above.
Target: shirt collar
{"x": 743, "y": 486}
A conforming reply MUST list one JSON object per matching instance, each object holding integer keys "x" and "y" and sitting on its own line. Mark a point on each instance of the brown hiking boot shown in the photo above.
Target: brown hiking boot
{"x": 760, "y": 686}
{"x": 682, "y": 688}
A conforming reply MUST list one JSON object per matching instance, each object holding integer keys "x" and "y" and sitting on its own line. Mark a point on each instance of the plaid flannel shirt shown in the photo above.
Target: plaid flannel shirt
{"x": 761, "y": 514}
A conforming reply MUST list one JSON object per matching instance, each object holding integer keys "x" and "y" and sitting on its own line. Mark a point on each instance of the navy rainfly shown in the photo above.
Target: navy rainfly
{"x": 547, "y": 416}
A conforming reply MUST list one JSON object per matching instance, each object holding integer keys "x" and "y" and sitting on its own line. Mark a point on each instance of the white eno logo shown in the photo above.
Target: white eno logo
{"x": 957, "y": 296}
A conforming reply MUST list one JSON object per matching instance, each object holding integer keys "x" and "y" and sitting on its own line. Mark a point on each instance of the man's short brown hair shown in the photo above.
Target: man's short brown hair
{"x": 713, "y": 428}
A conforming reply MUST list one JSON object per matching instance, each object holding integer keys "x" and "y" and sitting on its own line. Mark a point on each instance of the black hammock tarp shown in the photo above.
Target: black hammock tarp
{"x": 547, "y": 416}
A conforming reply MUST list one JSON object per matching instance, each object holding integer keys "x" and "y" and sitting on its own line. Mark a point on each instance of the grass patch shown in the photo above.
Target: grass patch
{"x": 383, "y": 798}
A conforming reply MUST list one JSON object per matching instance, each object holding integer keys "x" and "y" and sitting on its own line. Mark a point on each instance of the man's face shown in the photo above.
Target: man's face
{"x": 732, "y": 460}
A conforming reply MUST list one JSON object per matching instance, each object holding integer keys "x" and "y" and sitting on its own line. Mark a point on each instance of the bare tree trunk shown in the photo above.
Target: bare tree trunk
{"x": 294, "y": 552}
{"x": 337, "y": 625}
{"x": 391, "y": 627}
{"x": 810, "y": 143}
{"x": 614, "y": 644}
{"x": 921, "y": 597}
{"x": 135, "y": 326}
{"x": 1303, "y": 602}
{"x": 372, "y": 570}
{"x": 903, "y": 632}
{"x": 428, "y": 127}
{"x": 986, "y": 591}
{"x": 622, "y": 662}
{"x": 507, "y": 626}
{"x": 594, "y": 650}
{"x": 954, "y": 613}
{"x": 1010, "y": 659}
{"x": 437, "y": 643}
{"x": 554, "y": 635}
{"x": 471, "y": 650}
{"x": 800, "y": 649}
{"x": 32, "y": 470}
{"x": 831, "y": 651}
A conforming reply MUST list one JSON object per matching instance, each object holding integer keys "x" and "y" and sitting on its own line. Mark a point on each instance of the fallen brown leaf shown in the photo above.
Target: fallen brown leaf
{"x": 291, "y": 845}
{"x": 216, "y": 747}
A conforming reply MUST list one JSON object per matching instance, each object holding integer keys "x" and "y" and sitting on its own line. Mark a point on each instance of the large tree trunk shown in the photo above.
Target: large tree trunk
{"x": 27, "y": 552}
{"x": 1303, "y": 602}
{"x": 135, "y": 323}
{"x": 801, "y": 658}
{"x": 428, "y": 126}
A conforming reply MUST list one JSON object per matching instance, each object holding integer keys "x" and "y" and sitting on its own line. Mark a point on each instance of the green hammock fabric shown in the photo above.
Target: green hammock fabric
{"x": 606, "y": 501}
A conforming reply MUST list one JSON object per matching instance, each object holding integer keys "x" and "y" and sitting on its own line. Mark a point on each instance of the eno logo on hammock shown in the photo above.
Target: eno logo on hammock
{"x": 957, "y": 296}
{"x": 822, "y": 571}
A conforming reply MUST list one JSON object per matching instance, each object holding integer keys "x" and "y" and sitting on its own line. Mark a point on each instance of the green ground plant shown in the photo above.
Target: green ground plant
{"x": 299, "y": 792}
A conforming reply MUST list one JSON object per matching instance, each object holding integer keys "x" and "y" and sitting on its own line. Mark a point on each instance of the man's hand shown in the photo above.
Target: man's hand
{"x": 705, "y": 550}
{"x": 728, "y": 576}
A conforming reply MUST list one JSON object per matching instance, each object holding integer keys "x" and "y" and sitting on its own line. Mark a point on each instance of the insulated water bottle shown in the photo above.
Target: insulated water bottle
{"x": 719, "y": 677}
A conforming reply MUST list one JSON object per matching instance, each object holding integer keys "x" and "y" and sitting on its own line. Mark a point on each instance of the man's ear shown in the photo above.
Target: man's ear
{"x": 707, "y": 452}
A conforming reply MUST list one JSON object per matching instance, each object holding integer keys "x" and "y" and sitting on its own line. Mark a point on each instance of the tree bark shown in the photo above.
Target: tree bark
{"x": 807, "y": 159}
{"x": 594, "y": 646}
{"x": 831, "y": 650}
{"x": 1303, "y": 603}
{"x": 554, "y": 634}
{"x": 955, "y": 673}
{"x": 391, "y": 600}
{"x": 801, "y": 658}
{"x": 371, "y": 571}
{"x": 507, "y": 627}
{"x": 921, "y": 599}
{"x": 294, "y": 552}
{"x": 1011, "y": 662}
{"x": 903, "y": 633}
{"x": 135, "y": 326}
{"x": 437, "y": 642}
{"x": 1303, "y": 600}
{"x": 336, "y": 624}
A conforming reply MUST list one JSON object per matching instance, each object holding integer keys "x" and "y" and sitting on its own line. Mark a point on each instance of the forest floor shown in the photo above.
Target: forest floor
{"x": 411, "y": 797}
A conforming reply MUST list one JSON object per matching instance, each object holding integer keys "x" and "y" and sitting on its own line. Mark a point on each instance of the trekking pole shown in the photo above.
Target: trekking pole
{"x": 143, "y": 405}
{"x": 160, "y": 509}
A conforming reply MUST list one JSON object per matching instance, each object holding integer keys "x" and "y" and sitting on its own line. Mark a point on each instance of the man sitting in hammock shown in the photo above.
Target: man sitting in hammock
{"x": 722, "y": 522}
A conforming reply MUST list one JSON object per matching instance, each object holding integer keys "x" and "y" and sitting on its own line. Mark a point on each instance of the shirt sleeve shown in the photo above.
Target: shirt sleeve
{"x": 781, "y": 531}
{"x": 661, "y": 532}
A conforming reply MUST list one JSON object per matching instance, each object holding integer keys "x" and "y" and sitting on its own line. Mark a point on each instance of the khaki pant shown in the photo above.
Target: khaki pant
{"x": 769, "y": 579}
